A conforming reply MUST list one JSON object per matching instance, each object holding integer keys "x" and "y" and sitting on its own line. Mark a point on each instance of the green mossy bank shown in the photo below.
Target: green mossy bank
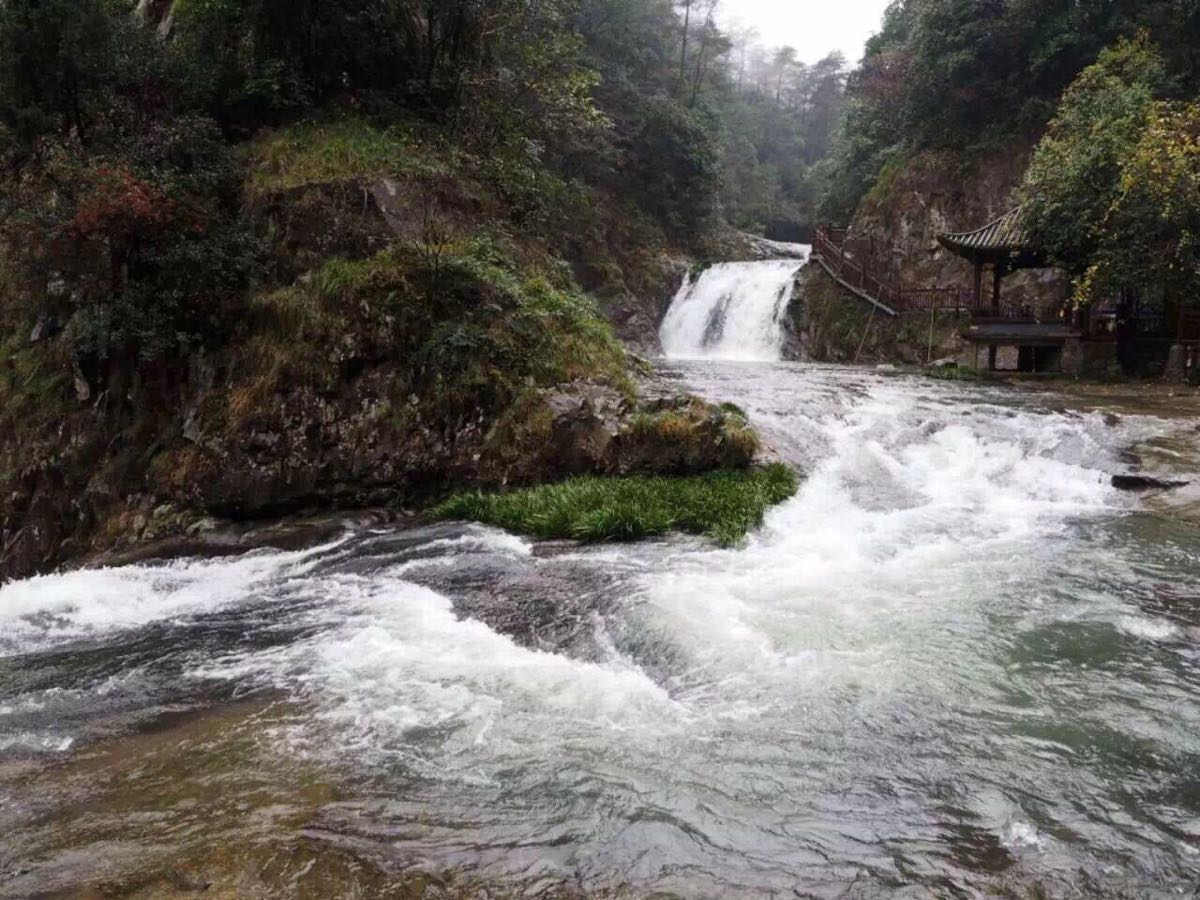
{"x": 723, "y": 505}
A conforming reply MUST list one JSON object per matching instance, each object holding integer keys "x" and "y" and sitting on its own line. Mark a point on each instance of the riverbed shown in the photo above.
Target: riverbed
{"x": 957, "y": 662}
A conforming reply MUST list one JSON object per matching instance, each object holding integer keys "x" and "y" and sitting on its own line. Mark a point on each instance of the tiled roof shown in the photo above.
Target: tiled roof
{"x": 1007, "y": 233}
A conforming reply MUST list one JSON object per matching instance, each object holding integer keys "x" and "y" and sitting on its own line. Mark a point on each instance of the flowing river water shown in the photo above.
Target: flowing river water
{"x": 957, "y": 663}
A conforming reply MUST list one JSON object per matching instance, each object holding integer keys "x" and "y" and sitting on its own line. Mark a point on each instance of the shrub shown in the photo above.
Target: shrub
{"x": 473, "y": 326}
{"x": 337, "y": 149}
{"x": 137, "y": 244}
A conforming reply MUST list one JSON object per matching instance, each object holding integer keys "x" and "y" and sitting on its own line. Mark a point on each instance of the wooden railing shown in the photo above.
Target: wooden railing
{"x": 947, "y": 299}
{"x": 1045, "y": 314}
{"x": 829, "y": 245}
{"x": 887, "y": 289}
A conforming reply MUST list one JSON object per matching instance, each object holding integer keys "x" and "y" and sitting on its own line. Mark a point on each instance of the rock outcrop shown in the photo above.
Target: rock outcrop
{"x": 917, "y": 199}
{"x": 761, "y": 248}
{"x": 835, "y": 326}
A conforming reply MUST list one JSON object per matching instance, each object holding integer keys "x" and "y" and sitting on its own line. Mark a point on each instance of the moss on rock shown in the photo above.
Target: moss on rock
{"x": 418, "y": 321}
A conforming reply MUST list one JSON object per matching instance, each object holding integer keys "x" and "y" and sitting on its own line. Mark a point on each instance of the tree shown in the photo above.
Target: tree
{"x": 781, "y": 66}
{"x": 969, "y": 75}
{"x": 713, "y": 44}
{"x": 1075, "y": 176}
{"x": 687, "y": 25}
{"x": 55, "y": 65}
{"x": 743, "y": 39}
{"x": 1114, "y": 188}
{"x": 1150, "y": 238}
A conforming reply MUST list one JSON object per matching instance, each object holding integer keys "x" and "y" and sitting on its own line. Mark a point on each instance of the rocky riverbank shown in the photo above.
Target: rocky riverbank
{"x": 406, "y": 340}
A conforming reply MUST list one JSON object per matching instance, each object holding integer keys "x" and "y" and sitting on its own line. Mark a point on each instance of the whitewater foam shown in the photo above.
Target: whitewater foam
{"x": 916, "y": 508}
{"x": 48, "y": 609}
{"x": 915, "y": 651}
{"x": 1149, "y": 629}
{"x": 402, "y": 664}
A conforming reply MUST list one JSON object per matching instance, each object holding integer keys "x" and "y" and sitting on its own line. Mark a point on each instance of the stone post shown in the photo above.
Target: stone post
{"x": 1177, "y": 360}
{"x": 1072, "y": 357}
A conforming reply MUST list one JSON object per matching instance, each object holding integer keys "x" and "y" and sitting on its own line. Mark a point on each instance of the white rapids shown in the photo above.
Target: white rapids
{"x": 958, "y": 662}
{"x": 733, "y": 311}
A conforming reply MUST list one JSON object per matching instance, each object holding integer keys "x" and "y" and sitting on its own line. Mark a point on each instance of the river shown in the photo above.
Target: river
{"x": 957, "y": 662}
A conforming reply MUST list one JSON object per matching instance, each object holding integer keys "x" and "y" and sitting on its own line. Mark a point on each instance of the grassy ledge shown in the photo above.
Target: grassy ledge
{"x": 723, "y": 505}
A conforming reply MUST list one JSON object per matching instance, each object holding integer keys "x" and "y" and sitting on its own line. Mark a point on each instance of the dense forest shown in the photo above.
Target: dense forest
{"x": 123, "y": 133}
{"x": 972, "y": 76}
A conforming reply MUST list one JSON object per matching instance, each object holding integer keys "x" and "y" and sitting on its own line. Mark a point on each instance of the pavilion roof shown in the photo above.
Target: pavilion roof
{"x": 1004, "y": 237}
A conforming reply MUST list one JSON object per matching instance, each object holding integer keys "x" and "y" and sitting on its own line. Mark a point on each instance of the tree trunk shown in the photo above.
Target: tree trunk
{"x": 687, "y": 24}
{"x": 698, "y": 79}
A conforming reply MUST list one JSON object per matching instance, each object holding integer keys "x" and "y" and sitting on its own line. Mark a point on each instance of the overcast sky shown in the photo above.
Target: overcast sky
{"x": 813, "y": 27}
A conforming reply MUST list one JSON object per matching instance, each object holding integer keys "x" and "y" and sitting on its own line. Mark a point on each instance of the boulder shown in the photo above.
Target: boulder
{"x": 47, "y": 326}
{"x": 587, "y": 420}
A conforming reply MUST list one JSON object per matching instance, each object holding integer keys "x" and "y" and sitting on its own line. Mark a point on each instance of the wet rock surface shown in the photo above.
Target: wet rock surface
{"x": 213, "y": 537}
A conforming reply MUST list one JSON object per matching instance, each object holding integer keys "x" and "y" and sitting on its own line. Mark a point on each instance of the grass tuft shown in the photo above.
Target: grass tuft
{"x": 316, "y": 152}
{"x": 723, "y": 505}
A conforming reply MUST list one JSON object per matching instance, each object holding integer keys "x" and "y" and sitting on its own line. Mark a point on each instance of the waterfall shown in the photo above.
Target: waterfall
{"x": 732, "y": 311}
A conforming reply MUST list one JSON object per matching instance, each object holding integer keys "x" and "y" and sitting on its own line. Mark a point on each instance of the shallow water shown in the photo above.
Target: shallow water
{"x": 956, "y": 662}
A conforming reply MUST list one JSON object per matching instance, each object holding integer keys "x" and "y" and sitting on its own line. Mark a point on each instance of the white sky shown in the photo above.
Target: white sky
{"x": 813, "y": 27}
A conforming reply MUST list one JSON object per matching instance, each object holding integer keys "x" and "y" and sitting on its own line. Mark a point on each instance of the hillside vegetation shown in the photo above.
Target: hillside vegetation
{"x": 1083, "y": 113}
{"x": 267, "y": 255}
{"x": 975, "y": 77}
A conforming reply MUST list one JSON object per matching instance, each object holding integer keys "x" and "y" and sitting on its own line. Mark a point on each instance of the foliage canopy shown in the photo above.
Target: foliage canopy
{"x": 971, "y": 75}
{"x": 1114, "y": 188}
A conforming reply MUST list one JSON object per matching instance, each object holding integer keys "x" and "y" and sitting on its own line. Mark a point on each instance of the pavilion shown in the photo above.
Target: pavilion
{"x": 1032, "y": 339}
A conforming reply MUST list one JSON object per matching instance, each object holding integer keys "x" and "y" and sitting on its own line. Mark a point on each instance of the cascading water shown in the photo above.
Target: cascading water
{"x": 732, "y": 311}
{"x": 957, "y": 663}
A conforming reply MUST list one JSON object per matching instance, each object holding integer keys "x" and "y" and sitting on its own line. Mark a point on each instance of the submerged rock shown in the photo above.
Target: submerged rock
{"x": 1144, "y": 483}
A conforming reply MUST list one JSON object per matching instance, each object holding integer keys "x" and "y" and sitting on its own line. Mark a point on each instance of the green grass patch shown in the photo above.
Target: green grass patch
{"x": 316, "y": 152}
{"x": 723, "y": 505}
{"x": 957, "y": 373}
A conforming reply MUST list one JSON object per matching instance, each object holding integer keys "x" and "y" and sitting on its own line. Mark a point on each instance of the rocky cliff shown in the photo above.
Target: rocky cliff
{"x": 926, "y": 194}
{"x": 835, "y": 326}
